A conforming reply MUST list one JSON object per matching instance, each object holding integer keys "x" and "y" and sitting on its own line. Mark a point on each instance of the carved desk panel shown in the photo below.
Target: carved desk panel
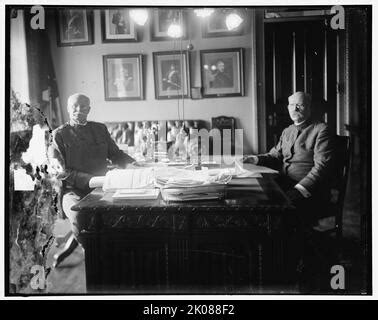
{"x": 239, "y": 244}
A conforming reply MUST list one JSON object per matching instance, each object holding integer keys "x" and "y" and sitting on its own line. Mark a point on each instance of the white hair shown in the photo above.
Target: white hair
{"x": 75, "y": 97}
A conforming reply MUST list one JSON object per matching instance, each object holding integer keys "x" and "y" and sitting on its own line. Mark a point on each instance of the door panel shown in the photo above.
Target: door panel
{"x": 300, "y": 56}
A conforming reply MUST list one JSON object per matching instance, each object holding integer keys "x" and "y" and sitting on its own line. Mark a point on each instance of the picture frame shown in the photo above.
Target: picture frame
{"x": 162, "y": 18}
{"x": 123, "y": 77}
{"x": 215, "y": 24}
{"x": 74, "y": 27}
{"x": 171, "y": 74}
{"x": 222, "y": 72}
{"x": 117, "y": 26}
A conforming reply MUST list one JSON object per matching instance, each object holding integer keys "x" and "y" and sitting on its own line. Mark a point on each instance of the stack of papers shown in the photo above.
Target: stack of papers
{"x": 181, "y": 178}
{"x": 214, "y": 192}
{"x": 129, "y": 179}
{"x": 143, "y": 194}
{"x": 179, "y": 184}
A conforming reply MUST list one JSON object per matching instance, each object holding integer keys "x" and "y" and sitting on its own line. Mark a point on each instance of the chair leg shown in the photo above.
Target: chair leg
{"x": 339, "y": 229}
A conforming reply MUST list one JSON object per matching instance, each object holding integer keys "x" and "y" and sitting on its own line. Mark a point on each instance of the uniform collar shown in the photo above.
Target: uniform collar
{"x": 303, "y": 124}
{"x": 77, "y": 125}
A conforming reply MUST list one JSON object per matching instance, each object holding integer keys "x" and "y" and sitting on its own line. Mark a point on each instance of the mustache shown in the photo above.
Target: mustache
{"x": 80, "y": 114}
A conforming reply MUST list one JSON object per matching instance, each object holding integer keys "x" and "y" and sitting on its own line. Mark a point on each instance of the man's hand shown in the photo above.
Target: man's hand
{"x": 250, "y": 159}
{"x": 55, "y": 167}
{"x": 294, "y": 195}
{"x": 134, "y": 165}
{"x": 96, "y": 182}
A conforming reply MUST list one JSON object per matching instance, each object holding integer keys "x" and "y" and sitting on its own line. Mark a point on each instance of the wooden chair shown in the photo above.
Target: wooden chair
{"x": 223, "y": 122}
{"x": 339, "y": 184}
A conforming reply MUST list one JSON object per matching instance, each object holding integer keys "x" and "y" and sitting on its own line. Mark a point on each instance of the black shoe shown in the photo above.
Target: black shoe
{"x": 70, "y": 246}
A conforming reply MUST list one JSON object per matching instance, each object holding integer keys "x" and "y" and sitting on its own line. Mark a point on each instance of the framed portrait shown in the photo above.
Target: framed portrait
{"x": 117, "y": 26}
{"x": 123, "y": 77}
{"x": 215, "y": 25}
{"x": 74, "y": 27}
{"x": 163, "y": 18}
{"x": 171, "y": 74}
{"x": 222, "y": 72}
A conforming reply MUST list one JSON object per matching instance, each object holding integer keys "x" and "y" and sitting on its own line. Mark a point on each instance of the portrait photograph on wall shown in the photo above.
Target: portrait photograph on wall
{"x": 163, "y": 19}
{"x": 74, "y": 27}
{"x": 224, "y": 23}
{"x": 171, "y": 74}
{"x": 117, "y": 26}
{"x": 222, "y": 72}
{"x": 123, "y": 77}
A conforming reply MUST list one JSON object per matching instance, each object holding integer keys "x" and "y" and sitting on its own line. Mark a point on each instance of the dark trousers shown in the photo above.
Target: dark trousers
{"x": 314, "y": 253}
{"x": 309, "y": 210}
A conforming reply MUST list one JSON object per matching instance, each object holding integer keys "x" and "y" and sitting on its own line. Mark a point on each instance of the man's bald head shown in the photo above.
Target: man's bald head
{"x": 301, "y": 96}
{"x": 78, "y": 107}
{"x": 77, "y": 98}
{"x": 299, "y": 106}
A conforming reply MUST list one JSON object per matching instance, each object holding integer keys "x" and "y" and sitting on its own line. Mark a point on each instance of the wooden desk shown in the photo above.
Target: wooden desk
{"x": 239, "y": 244}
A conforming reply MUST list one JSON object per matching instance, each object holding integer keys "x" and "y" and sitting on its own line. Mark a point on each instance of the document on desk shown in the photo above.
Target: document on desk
{"x": 141, "y": 194}
{"x": 129, "y": 179}
{"x": 243, "y": 182}
{"x": 248, "y": 170}
{"x": 181, "y": 178}
{"x": 167, "y": 177}
{"x": 212, "y": 192}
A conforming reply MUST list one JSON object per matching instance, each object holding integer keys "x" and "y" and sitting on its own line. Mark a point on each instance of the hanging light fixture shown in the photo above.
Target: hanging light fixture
{"x": 233, "y": 21}
{"x": 203, "y": 13}
{"x": 139, "y": 16}
{"x": 174, "y": 30}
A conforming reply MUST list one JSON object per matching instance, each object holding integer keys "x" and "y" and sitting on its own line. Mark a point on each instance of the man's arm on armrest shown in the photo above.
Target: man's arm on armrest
{"x": 323, "y": 161}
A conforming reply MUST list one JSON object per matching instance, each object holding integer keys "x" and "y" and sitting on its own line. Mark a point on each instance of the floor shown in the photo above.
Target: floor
{"x": 69, "y": 277}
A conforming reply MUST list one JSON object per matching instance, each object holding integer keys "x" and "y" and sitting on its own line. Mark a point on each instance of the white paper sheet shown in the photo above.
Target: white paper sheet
{"x": 144, "y": 194}
{"x": 129, "y": 179}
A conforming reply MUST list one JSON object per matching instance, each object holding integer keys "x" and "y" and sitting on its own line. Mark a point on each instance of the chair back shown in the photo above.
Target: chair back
{"x": 223, "y": 122}
{"x": 342, "y": 145}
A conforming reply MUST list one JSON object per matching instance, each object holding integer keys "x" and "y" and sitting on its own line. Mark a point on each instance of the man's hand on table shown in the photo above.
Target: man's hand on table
{"x": 250, "y": 159}
{"x": 134, "y": 165}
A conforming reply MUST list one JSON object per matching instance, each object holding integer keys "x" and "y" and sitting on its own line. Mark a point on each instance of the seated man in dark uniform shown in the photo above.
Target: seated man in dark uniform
{"x": 304, "y": 157}
{"x": 80, "y": 150}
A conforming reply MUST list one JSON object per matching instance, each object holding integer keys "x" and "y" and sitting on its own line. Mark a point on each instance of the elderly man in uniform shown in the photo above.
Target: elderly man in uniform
{"x": 80, "y": 150}
{"x": 304, "y": 156}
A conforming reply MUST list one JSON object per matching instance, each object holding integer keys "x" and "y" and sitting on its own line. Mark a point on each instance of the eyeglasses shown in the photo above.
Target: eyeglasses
{"x": 298, "y": 105}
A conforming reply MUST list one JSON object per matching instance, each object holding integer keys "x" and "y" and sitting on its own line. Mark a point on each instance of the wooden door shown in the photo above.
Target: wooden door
{"x": 299, "y": 56}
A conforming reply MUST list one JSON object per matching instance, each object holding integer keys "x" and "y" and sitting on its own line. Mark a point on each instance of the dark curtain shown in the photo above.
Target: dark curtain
{"x": 43, "y": 87}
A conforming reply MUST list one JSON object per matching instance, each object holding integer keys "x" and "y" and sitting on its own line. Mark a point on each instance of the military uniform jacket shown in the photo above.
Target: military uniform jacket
{"x": 305, "y": 154}
{"x": 83, "y": 152}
